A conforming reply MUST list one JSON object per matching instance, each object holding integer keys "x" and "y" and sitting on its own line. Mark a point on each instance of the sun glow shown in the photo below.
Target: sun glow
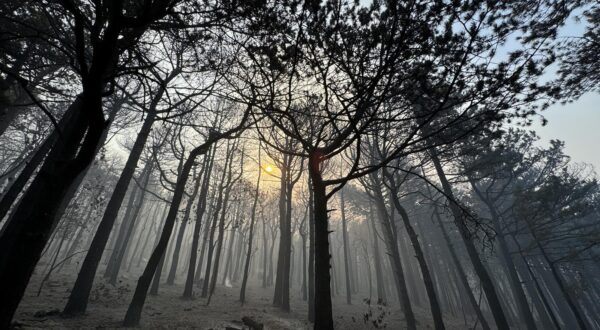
{"x": 269, "y": 169}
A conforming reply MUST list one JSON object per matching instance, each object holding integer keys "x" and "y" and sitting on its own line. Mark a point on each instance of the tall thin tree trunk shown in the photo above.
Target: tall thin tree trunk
{"x": 436, "y": 311}
{"x": 123, "y": 249}
{"x": 200, "y": 209}
{"x": 390, "y": 239}
{"x": 381, "y": 293}
{"x": 346, "y": 251}
{"x": 78, "y": 300}
{"x": 515, "y": 283}
{"x": 251, "y": 231}
{"x": 311, "y": 253}
{"x": 461, "y": 272}
{"x": 133, "y": 315}
{"x": 485, "y": 278}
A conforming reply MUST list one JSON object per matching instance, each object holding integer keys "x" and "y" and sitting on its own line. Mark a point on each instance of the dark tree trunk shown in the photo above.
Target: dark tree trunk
{"x": 78, "y": 300}
{"x": 311, "y": 254}
{"x": 436, "y": 311}
{"x": 134, "y": 312}
{"x": 215, "y": 221}
{"x": 205, "y": 238}
{"x": 23, "y": 240}
{"x": 304, "y": 270}
{"x": 381, "y": 295}
{"x": 323, "y": 307}
{"x": 390, "y": 239}
{"x": 462, "y": 276}
{"x": 486, "y": 281}
{"x": 251, "y": 232}
{"x": 182, "y": 227}
{"x": 200, "y": 209}
{"x": 221, "y": 237}
{"x": 130, "y": 229}
{"x": 346, "y": 251}
{"x": 281, "y": 257}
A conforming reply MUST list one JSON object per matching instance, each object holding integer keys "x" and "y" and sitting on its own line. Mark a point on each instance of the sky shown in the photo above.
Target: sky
{"x": 577, "y": 123}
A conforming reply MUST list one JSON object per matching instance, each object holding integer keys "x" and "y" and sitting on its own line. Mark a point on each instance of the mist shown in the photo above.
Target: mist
{"x": 178, "y": 164}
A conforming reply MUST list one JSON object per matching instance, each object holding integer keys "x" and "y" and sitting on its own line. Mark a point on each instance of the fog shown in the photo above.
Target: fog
{"x": 297, "y": 165}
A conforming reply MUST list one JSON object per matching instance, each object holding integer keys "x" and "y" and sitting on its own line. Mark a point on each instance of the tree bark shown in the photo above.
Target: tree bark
{"x": 323, "y": 307}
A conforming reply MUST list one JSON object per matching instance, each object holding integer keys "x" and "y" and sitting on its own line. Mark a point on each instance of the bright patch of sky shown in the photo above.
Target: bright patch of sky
{"x": 577, "y": 123}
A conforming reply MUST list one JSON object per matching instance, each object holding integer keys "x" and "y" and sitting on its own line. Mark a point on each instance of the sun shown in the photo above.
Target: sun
{"x": 269, "y": 168}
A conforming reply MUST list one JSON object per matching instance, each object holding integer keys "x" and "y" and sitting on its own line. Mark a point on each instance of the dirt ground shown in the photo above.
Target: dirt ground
{"x": 168, "y": 311}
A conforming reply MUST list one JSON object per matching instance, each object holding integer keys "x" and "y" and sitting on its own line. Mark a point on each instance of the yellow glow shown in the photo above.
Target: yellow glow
{"x": 269, "y": 168}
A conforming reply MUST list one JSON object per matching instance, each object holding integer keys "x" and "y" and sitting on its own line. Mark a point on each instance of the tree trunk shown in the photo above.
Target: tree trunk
{"x": 346, "y": 251}
{"x": 23, "y": 240}
{"x": 390, "y": 239}
{"x": 123, "y": 248}
{"x": 127, "y": 219}
{"x": 461, "y": 272}
{"x": 323, "y": 308}
{"x": 381, "y": 295}
{"x": 200, "y": 209}
{"x": 486, "y": 281}
{"x": 251, "y": 232}
{"x": 133, "y": 315}
{"x": 182, "y": 227}
{"x": 78, "y": 300}
{"x": 436, "y": 311}
{"x": 311, "y": 253}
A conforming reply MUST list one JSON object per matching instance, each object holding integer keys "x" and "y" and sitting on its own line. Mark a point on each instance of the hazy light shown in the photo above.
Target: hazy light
{"x": 269, "y": 168}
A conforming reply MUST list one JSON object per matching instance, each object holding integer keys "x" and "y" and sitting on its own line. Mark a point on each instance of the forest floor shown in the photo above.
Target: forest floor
{"x": 168, "y": 311}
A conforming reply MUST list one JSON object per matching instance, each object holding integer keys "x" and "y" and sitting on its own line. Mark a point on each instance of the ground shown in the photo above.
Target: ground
{"x": 168, "y": 311}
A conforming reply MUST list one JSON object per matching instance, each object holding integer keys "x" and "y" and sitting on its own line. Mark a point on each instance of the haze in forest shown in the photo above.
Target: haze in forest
{"x": 218, "y": 164}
